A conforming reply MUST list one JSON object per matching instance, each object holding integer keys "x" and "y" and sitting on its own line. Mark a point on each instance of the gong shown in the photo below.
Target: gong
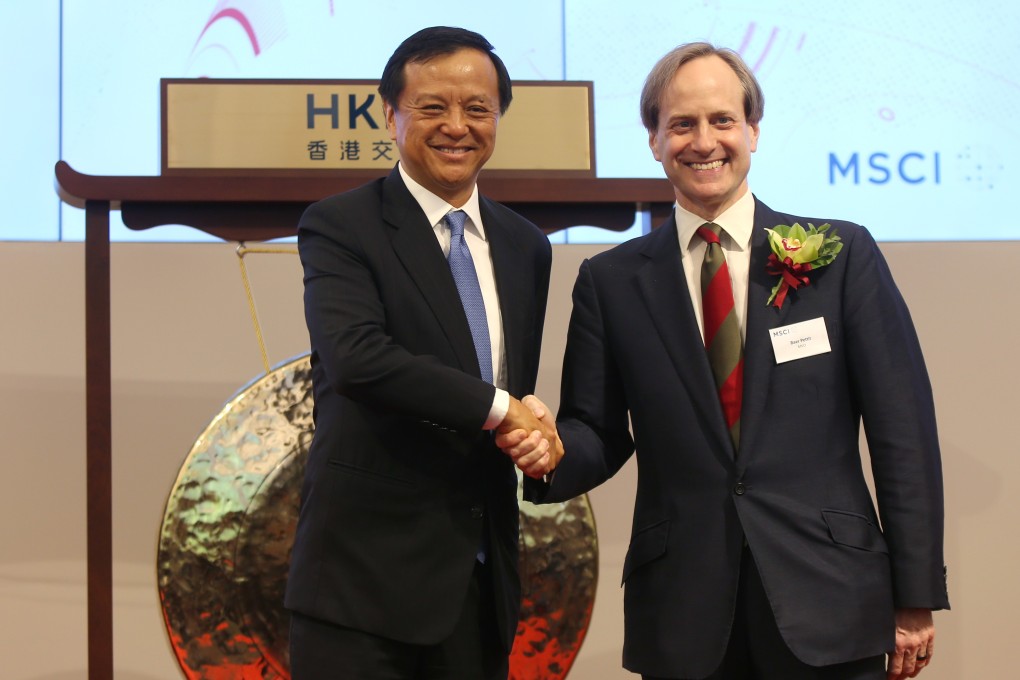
{"x": 229, "y": 521}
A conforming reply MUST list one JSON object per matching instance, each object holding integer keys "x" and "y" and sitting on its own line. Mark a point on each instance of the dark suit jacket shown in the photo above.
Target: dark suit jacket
{"x": 401, "y": 481}
{"x": 795, "y": 490}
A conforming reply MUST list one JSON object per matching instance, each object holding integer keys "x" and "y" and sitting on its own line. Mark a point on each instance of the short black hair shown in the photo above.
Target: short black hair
{"x": 433, "y": 42}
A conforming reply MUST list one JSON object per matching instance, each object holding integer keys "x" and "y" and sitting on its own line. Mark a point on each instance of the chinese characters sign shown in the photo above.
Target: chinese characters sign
{"x": 339, "y": 124}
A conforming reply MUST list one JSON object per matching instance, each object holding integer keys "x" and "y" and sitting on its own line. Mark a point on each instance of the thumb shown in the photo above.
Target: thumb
{"x": 535, "y": 404}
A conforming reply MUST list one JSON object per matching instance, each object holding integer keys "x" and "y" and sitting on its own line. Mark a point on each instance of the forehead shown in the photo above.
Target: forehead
{"x": 466, "y": 68}
{"x": 704, "y": 82}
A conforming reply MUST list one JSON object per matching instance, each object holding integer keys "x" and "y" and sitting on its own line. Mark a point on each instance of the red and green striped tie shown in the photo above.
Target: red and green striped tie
{"x": 722, "y": 330}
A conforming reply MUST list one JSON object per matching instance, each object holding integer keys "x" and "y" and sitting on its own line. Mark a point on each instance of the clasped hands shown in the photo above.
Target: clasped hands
{"x": 528, "y": 435}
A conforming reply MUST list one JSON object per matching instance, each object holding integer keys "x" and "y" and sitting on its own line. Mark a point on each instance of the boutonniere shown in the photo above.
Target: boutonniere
{"x": 795, "y": 252}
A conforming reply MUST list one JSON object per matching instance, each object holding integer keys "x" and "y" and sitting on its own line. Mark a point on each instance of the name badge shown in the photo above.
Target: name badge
{"x": 800, "y": 340}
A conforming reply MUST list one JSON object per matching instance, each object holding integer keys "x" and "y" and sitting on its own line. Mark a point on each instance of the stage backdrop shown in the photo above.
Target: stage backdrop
{"x": 892, "y": 114}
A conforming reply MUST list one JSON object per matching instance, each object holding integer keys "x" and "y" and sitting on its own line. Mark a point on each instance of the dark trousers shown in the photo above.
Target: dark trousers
{"x": 756, "y": 649}
{"x": 322, "y": 651}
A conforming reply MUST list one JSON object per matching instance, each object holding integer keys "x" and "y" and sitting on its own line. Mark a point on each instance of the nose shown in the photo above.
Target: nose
{"x": 455, "y": 122}
{"x": 704, "y": 139}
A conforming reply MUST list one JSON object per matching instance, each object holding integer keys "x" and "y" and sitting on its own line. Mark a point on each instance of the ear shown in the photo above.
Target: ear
{"x": 653, "y": 145}
{"x": 754, "y": 130}
{"x": 391, "y": 122}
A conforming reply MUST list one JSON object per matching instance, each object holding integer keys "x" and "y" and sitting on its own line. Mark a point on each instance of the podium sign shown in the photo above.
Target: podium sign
{"x": 210, "y": 124}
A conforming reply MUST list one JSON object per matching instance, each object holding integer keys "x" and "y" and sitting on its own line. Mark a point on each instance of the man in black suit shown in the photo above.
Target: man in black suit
{"x": 756, "y": 551}
{"x": 405, "y": 556}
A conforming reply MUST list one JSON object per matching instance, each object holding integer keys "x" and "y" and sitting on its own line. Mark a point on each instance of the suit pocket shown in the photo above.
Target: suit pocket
{"x": 854, "y": 530}
{"x": 646, "y": 545}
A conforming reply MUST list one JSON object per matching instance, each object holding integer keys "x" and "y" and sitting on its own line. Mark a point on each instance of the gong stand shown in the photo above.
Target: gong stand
{"x": 257, "y": 206}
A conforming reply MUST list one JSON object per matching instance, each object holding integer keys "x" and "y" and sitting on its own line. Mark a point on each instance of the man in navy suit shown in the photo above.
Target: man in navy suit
{"x": 404, "y": 564}
{"x": 756, "y": 549}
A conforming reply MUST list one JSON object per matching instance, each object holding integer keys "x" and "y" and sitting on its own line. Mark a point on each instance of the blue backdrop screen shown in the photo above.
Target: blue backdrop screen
{"x": 895, "y": 115}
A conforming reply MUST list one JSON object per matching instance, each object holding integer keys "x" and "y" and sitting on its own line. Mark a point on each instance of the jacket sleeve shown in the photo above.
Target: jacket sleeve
{"x": 892, "y": 389}
{"x": 592, "y": 420}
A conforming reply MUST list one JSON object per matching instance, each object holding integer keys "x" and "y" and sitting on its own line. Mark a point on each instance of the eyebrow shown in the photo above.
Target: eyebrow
{"x": 478, "y": 97}
{"x": 714, "y": 114}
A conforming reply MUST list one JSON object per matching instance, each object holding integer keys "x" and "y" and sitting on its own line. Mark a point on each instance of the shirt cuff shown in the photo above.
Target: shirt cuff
{"x": 500, "y": 406}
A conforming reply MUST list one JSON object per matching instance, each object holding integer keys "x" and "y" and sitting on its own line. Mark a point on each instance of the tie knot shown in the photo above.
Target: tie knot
{"x": 710, "y": 232}
{"x": 456, "y": 219}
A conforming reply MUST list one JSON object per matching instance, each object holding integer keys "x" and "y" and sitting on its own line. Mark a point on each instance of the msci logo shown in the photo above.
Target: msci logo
{"x": 913, "y": 167}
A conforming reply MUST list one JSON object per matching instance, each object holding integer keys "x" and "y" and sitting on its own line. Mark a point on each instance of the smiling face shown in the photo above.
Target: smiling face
{"x": 445, "y": 120}
{"x": 703, "y": 139}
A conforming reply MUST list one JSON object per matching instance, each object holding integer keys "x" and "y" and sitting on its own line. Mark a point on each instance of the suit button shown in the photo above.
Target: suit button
{"x": 739, "y": 489}
{"x": 477, "y": 512}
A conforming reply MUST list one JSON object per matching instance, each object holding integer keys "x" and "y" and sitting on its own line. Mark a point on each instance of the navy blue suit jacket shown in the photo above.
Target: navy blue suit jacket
{"x": 833, "y": 567}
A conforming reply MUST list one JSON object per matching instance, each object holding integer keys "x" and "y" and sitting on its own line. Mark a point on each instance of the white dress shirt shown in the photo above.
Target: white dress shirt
{"x": 736, "y": 223}
{"x": 435, "y": 209}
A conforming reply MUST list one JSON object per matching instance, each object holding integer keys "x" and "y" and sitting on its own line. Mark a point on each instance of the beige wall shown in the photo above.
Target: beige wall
{"x": 183, "y": 344}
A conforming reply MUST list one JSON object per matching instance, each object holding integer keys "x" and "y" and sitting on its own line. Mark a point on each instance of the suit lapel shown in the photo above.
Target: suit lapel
{"x": 512, "y": 286}
{"x": 663, "y": 287}
{"x": 415, "y": 244}
{"x": 759, "y": 358}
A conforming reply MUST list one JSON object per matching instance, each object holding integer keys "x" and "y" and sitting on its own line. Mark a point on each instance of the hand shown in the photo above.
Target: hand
{"x": 528, "y": 435}
{"x": 522, "y": 430}
{"x": 545, "y": 417}
{"x": 915, "y": 643}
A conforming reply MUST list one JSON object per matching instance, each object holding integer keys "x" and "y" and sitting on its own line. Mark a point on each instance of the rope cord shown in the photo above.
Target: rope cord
{"x": 243, "y": 250}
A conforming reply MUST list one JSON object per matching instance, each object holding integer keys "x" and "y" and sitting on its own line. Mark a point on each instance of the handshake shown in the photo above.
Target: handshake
{"x": 528, "y": 435}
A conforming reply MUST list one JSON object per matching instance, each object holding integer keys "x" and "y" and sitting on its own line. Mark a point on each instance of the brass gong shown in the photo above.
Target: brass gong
{"x": 224, "y": 546}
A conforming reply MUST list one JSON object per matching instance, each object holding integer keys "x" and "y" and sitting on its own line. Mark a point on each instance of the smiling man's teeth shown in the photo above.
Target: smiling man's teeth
{"x": 453, "y": 150}
{"x": 706, "y": 166}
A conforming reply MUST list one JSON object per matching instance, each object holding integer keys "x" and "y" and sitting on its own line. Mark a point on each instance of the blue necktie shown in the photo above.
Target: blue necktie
{"x": 464, "y": 275}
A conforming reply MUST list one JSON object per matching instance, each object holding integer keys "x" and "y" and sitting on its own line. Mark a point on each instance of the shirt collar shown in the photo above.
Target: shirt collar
{"x": 737, "y": 221}
{"x": 435, "y": 208}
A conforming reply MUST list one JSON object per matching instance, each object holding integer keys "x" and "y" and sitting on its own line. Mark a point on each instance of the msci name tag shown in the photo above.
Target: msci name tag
{"x": 800, "y": 340}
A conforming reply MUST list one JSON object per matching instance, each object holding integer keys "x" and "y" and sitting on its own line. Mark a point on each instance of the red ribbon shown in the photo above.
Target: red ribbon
{"x": 793, "y": 275}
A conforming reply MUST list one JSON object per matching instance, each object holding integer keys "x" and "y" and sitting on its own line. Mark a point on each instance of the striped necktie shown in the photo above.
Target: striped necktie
{"x": 722, "y": 331}
{"x": 464, "y": 276}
